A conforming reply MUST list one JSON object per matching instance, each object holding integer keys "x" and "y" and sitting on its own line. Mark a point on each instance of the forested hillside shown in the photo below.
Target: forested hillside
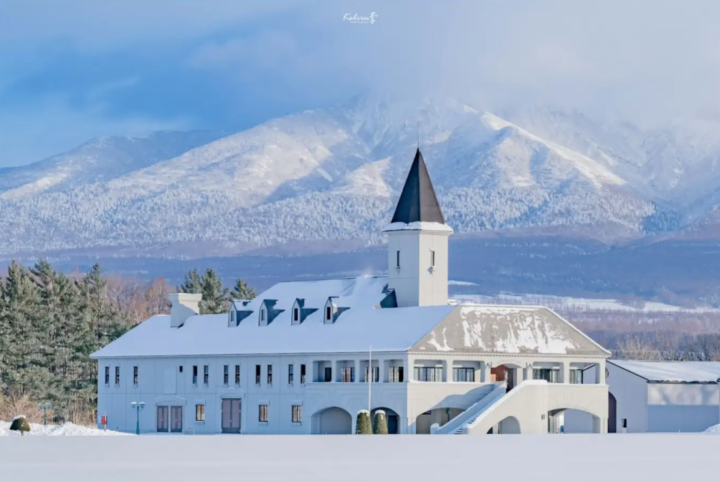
{"x": 51, "y": 322}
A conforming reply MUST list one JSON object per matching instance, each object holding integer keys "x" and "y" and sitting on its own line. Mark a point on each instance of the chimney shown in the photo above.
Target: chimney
{"x": 184, "y": 305}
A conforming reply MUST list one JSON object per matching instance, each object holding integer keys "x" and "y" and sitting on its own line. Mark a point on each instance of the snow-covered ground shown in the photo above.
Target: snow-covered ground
{"x": 66, "y": 429}
{"x": 715, "y": 429}
{"x": 297, "y": 458}
{"x": 565, "y": 303}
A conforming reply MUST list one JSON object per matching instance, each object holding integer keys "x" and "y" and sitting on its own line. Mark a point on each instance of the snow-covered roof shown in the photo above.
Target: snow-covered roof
{"x": 391, "y": 329}
{"x": 508, "y": 329}
{"x": 360, "y": 292}
{"x": 672, "y": 371}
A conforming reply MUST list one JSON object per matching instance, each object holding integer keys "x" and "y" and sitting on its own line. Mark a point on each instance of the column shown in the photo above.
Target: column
{"x": 601, "y": 373}
{"x": 448, "y": 374}
{"x": 485, "y": 371}
{"x": 566, "y": 372}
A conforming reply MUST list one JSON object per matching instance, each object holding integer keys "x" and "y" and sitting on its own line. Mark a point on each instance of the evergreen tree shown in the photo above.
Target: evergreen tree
{"x": 242, "y": 291}
{"x": 380, "y": 423}
{"x": 215, "y": 297}
{"x": 20, "y": 424}
{"x": 192, "y": 283}
{"x": 363, "y": 425}
{"x": 19, "y": 344}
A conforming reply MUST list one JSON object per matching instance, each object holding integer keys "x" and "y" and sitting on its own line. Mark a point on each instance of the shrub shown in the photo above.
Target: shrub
{"x": 380, "y": 423}
{"x": 20, "y": 424}
{"x": 363, "y": 426}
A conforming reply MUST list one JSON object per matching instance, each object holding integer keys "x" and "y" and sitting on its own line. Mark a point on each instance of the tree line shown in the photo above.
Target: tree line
{"x": 51, "y": 322}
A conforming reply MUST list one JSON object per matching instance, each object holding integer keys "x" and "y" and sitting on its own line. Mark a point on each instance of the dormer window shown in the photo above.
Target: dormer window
{"x": 262, "y": 314}
{"x": 328, "y": 313}
{"x": 296, "y": 314}
{"x": 232, "y": 316}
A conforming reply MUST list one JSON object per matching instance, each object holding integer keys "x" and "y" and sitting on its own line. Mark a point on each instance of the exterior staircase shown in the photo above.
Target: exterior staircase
{"x": 457, "y": 425}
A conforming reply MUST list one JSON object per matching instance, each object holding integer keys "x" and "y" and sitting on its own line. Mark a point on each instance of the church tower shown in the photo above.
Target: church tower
{"x": 418, "y": 243}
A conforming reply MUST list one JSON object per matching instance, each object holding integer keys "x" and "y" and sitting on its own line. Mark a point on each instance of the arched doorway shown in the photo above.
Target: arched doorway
{"x": 509, "y": 425}
{"x": 440, "y": 416}
{"x": 612, "y": 413}
{"x": 565, "y": 420}
{"x": 332, "y": 421}
{"x": 393, "y": 420}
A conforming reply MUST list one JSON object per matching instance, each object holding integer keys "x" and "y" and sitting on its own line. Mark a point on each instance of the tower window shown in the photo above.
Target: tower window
{"x": 432, "y": 258}
{"x": 397, "y": 259}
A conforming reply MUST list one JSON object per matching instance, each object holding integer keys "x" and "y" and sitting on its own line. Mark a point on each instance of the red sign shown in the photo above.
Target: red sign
{"x": 103, "y": 420}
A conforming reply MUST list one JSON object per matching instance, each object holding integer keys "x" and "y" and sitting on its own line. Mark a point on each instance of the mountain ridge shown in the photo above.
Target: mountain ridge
{"x": 332, "y": 176}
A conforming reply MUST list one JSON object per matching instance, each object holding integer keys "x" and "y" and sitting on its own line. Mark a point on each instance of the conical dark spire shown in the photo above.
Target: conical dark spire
{"x": 418, "y": 201}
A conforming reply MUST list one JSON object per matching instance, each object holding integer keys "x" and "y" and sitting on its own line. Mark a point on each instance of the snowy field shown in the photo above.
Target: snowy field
{"x": 586, "y": 458}
{"x": 67, "y": 429}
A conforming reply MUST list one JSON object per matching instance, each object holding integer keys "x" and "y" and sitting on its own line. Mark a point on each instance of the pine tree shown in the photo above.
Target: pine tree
{"x": 192, "y": 284}
{"x": 19, "y": 345}
{"x": 363, "y": 425}
{"x": 215, "y": 297}
{"x": 380, "y": 423}
{"x": 242, "y": 291}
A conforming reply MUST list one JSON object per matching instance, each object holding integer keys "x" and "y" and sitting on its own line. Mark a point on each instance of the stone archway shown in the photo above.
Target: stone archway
{"x": 440, "y": 416}
{"x": 571, "y": 420}
{"x": 332, "y": 421}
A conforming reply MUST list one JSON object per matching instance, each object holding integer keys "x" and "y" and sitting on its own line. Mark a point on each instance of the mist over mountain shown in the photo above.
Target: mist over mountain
{"x": 327, "y": 180}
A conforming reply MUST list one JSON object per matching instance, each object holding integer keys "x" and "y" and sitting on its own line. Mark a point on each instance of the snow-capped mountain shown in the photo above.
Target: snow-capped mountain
{"x": 333, "y": 175}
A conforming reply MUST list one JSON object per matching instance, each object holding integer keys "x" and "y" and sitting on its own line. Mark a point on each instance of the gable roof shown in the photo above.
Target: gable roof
{"x": 418, "y": 202}
{"x": 508, "y": 329}
{"x": 672, "y": 371}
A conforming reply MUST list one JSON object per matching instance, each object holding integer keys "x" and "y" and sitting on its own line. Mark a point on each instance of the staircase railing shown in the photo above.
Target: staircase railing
{"x": 473, "y": 410}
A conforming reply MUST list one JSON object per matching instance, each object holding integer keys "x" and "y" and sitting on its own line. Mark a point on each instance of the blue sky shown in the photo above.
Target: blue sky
{"x": 73, "y": 70}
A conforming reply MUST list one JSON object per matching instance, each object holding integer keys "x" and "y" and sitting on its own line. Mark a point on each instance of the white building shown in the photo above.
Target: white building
{"x": 305, "y": 357}
{"x": 660, "y": 396}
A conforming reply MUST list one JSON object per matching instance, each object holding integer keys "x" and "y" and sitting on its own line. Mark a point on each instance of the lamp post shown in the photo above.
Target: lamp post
{"x": 44, "y": 407}
{"x": 137, "y": 406}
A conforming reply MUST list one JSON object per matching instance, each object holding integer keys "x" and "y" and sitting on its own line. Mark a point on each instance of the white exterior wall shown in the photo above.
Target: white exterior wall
{"x": 408, "y": 400}
{"x": 630, "y": 392}
{"x": 154, "y": 391}
{"x": 416, "y": 282}
{"x": 682, "y": 407}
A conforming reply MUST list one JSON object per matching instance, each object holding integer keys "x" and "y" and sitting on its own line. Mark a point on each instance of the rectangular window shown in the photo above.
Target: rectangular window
{"x": 348, "y": 374}
{"x": 432, "y": 258}
{"x": 290, "y": 374}
{"x": 396, "y": 375}
{"x": 206, "y": 375}
{"x": 397, "y": 259}
{"x": 428, "y": 374}
{"x": 269, "y": 375}
{"x": 226, "y": 374}
{"x": 135, "y": 375}
{"x": 548, "y": 374}
{"x": 107, "y": 375}
{"x": 263, "y": 413}
{"x": 296, "y": 314}
{"x": 327, "y": 374}
{"x": 463, "y": 374}
{"x": 195, "y": 374}
{"x": 180, "y": 368}
{"x": 296, "y": 413}
{"x": 328, "y": 313}
{"x": 302, "y": 374}
{"x": 117, "y": 375}
{"x": 375, "y": 374}
{"x": 576, "y": 376}
{"x": 262, "y": 315}
{"x": 199, "y": 413}
{"x": 237, "y": 374}
{"x": 257, "y": 374}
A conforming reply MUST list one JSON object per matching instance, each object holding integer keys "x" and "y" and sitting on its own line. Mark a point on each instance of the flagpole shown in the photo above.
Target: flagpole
{"x": 370, "y": 377}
